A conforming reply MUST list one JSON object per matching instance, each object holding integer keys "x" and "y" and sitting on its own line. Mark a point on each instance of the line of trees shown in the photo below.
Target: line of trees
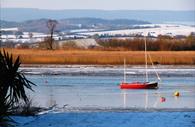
{"x": 162, "y": 43}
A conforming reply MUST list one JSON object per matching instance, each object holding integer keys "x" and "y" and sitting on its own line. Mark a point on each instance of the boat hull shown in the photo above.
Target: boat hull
{"x": 138, "y": 85}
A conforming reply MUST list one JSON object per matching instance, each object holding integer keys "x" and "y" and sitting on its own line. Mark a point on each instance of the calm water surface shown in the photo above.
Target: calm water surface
{"x": 98, "y": 87}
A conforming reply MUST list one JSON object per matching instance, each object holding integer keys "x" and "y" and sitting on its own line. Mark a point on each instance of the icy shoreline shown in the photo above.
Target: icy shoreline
{"x": 111, "y": 109}
{"x": 103, "y": 70}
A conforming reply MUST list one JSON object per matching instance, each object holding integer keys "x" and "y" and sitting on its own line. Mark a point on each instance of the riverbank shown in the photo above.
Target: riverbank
{"x": 88, "y": 57}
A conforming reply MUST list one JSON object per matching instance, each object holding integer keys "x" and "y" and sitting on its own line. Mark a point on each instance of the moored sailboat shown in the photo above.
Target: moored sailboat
{"x": 140, "y": 85}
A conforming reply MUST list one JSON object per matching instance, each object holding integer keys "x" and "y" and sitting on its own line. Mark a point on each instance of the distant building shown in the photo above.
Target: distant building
{"x": 16, "y": 36}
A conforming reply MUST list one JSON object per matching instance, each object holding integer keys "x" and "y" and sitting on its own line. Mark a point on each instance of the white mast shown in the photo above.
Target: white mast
{"x": 124, "y": 71}
{"x": 146, "y": 66}
{"x": 154, "y": 68}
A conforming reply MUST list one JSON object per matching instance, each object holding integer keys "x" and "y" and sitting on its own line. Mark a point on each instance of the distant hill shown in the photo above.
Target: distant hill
{"x": 8, "y": 24}
{"x": 39, "y": 25}
{"x": 153, "y": 16}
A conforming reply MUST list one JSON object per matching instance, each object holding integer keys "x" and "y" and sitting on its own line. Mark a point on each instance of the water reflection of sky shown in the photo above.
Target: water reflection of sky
{"x": 102, "y": 90}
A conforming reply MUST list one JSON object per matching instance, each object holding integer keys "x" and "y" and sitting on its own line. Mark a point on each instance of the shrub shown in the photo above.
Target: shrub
{"x": 162, "y": 43}
{"x": 12, "y": 86}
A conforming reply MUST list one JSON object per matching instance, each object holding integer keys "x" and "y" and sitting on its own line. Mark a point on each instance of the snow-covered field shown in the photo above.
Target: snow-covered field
{"x": 163, "y": 29}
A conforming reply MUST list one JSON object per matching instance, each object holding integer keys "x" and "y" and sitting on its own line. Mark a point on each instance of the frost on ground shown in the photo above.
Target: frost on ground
{"x": 104, "y": 70}
{"x": 162, "y": 29}
{"x": 109, "y": 119}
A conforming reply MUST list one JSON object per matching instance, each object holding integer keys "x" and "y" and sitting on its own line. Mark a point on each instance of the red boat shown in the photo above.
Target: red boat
{"x": 139, "y": 85}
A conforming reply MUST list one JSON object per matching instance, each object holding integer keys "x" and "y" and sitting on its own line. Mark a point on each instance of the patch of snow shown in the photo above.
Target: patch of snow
{"x": 164, "y": 29}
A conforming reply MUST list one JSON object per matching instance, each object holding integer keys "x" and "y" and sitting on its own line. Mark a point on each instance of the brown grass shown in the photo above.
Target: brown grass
{"x": 34, "y": 56}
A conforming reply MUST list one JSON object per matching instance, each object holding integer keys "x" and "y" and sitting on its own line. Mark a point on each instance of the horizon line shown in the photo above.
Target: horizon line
{"x": 93, "y": 9}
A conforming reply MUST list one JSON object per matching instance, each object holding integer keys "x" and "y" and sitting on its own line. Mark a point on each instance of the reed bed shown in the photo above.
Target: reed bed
{"x": 35, "y": 56}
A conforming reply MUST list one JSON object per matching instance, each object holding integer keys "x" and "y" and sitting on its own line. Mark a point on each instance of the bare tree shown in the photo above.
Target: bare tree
{"x": 51, "y": 25}
{"x": 30, "y": 35}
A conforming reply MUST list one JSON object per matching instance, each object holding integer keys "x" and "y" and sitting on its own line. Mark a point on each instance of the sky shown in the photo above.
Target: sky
{"x": 101, "y": 4}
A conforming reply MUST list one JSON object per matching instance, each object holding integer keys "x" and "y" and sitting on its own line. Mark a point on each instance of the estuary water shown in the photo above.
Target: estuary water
{"x": 97, "y": 87}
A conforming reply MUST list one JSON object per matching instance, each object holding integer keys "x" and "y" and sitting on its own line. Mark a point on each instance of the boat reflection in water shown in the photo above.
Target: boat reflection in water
{"x": 125, "y": 99}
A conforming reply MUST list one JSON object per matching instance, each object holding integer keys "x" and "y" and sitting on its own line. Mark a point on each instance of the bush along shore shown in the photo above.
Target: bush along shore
{"x": 161, "y": 43}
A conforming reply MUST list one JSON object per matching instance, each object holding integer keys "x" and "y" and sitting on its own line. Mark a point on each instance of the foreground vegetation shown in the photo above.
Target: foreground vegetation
{"x": 12, "y": 87}
{"x": 35, "y": 56}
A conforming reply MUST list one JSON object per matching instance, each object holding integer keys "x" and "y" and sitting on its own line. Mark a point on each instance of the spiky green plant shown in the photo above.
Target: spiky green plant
{"x": 12, "y": 86}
